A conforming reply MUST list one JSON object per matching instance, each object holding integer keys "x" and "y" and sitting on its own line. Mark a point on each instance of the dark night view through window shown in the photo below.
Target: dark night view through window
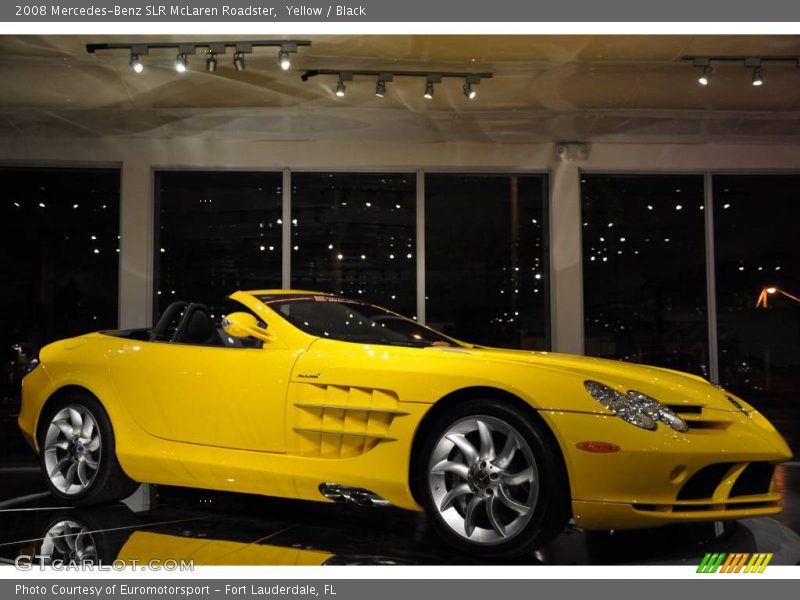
{"x": 644, "y": 269}
{"x": 218, "y": 232}
{"x": 486, "y": 262}
{"x": 757, "y": 243}
{"x": 59, "y": 238}
{"x": 354, "y": 234}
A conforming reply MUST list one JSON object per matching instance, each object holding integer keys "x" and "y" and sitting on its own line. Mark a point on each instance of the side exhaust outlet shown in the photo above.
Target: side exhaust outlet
{"x": 351, "y": 495}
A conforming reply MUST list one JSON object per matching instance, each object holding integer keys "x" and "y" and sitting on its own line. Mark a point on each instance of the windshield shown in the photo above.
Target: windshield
{"x": 352, "y": 321}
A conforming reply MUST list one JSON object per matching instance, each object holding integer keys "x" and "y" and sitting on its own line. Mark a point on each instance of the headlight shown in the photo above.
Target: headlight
{"x": 635, "y": 407}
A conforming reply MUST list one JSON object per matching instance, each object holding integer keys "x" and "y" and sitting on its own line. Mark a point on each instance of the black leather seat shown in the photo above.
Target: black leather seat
{"x": 168, "y": 323}
{"x": 197, "y": 327}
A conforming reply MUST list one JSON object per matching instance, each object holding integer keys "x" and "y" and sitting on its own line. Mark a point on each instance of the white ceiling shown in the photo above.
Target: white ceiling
{"x": 546, "y": 88}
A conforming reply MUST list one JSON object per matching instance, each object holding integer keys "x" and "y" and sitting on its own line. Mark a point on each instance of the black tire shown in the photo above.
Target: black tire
{"x": 110, "y": 483}
{"x": 552, "y": 508}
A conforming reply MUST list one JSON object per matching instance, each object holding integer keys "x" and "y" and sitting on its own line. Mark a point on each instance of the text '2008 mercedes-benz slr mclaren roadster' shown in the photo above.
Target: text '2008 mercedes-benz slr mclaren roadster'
{"x": 313, "y": 396}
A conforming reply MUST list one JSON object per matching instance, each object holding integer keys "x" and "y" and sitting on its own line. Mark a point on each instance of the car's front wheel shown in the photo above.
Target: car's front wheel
{"x": 492, "y": 481}
{"x": 77, "y": 453}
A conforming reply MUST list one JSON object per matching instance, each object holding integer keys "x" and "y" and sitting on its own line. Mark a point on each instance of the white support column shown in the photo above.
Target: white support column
{"x": 566, "y": 286}
{"x": 136, "y": 244}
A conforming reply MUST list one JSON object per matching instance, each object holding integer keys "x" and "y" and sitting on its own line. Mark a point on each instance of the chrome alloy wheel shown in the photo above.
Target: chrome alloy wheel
{"x": 72, "y": 449}
{"x": 483, "y": 495}
{"x": 70, "y": 542}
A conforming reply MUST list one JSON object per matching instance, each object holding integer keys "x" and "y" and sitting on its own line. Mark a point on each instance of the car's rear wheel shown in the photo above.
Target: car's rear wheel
{"x": 492, "y": 481}
{"x": 77, "y": 453}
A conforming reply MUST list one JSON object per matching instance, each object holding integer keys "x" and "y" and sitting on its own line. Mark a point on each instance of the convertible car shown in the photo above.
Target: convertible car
{"x": 313, "y": 396}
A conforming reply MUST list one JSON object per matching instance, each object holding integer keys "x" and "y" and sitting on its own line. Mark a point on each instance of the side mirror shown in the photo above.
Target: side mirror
{"x": 243, "y": 324}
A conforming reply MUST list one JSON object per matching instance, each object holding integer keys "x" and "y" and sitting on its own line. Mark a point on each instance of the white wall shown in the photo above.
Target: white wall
{"x": 139, "y": 158}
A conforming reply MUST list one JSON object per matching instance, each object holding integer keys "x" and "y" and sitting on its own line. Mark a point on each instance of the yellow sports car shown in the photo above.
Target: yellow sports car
{"x": 313, "y": 396}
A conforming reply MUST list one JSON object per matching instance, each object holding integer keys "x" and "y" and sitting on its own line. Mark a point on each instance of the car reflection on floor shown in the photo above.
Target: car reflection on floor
{"x": 170, "y": 524}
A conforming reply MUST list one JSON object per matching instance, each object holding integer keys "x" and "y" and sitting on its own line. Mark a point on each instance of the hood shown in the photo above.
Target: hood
{"x": 669, "y": 387}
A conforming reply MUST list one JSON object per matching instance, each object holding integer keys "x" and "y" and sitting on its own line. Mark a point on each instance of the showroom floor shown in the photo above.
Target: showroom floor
{"x": 223, "y": 528}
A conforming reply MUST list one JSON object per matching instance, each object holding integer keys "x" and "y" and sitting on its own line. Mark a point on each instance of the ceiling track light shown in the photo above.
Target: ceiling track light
{"x": 750, "y": 62}
{"x": 214, "y": 49}
{"x": 380, "y": 84}
{"x": 341, "y": 89}
{"x": 469, "y": 91}
{"x": 758, "y": 78}
{"x": 182, "y": 59}
{"x": 470, "y": 79}
{"x": 181, "y": 62}
{"x": 284, "y": 61}
{"x": 211, "y": 62}
{"x": 428, "y": 95}
{"x": 136, "y": 63}
{"x": 238, "y": 61}
{"x": 706, "y": 75}
{"x": 708, "y": 71}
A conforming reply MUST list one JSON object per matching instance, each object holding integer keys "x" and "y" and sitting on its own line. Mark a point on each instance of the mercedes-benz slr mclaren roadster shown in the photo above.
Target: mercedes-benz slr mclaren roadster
{"x": 313, "y": 396}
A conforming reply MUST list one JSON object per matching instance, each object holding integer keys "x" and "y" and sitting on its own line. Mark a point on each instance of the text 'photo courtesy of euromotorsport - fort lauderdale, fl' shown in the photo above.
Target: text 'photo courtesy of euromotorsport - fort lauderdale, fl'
{"x": 302, "y": 300}
{"x": 169, "y": 590}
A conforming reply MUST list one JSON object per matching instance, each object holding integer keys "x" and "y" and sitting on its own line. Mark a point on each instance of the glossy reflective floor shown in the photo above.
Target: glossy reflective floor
{"x": 233, "y": 529}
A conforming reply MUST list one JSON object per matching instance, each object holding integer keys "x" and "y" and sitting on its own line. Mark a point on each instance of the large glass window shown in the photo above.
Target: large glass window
{"x": 758, "y": 283}
{"x": 355, "y": 234}
{"x": 486, "y": 261}
{"x": 218, "y": 232}
{"x": 59, "y": 239}
{"x": 644, "y": 269}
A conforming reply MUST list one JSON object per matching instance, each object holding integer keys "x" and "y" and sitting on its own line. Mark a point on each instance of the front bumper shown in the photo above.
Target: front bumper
{"x": 720, "y": 469}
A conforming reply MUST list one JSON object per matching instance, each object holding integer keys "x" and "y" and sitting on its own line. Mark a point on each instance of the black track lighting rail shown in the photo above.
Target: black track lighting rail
{"x": 749, "y": 59}
{"x": 382, "y": 74}
{"x": 218, "y": 47}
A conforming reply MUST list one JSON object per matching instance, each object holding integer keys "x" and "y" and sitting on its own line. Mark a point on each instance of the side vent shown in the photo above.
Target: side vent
{"x": 697, "y": 420}
{"x": 340, "y": 421}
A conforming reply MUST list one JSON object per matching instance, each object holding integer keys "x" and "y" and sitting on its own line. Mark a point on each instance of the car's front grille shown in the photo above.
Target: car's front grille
{"x": 755, "y": 479}
{"x": 703, "y": 483}
{"x": 721, "y": 482}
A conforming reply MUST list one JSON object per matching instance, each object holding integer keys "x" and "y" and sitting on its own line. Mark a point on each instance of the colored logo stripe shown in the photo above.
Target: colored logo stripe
{"x": 734, "y": 563}
{"x": 758, "y": 563}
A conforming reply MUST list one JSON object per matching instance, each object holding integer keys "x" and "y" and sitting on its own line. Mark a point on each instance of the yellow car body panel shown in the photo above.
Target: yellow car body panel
{"x": 145, "y": 547}
{"x": 348, "y": 413}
